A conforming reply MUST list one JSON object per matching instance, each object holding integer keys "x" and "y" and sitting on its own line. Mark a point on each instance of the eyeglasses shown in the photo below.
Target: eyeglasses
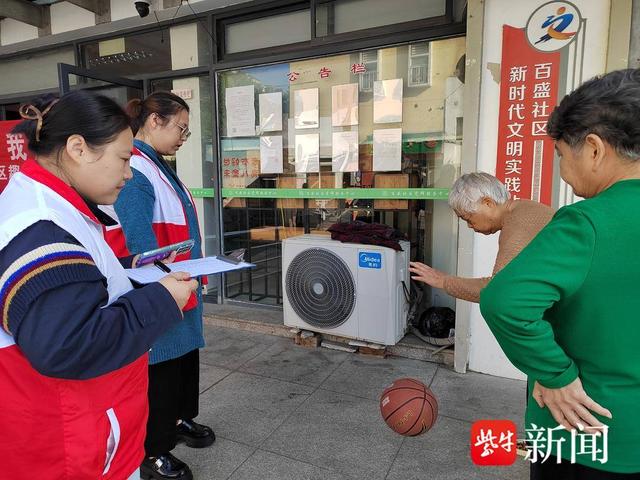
{"x": 185, "y": 133}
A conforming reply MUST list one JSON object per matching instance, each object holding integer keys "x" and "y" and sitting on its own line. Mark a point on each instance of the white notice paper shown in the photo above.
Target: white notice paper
{"x": 306, "y": 108}
{"x": 387, "y": 101}
{"x": 270, "y": 111}
{"x": 241, "y": 113}
{"x": 387, "y": 150}
{"x": 345, "y": 151}
{"x": 344, "y": 105}
{"x": 271, "y": 154}
{"x": 307, "y": 153}
{"x": 195, "y": 268}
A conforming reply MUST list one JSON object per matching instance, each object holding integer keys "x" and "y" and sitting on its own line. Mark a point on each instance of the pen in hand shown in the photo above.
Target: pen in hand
{"x": 162, "y": 266}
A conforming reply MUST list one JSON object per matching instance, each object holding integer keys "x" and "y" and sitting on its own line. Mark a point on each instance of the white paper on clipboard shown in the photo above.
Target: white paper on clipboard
{"x": 196, "y": 268}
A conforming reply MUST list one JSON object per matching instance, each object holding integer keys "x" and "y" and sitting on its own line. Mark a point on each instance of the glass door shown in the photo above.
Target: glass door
{"x": 193, "y": 162}
{"x": 120, "y": 89}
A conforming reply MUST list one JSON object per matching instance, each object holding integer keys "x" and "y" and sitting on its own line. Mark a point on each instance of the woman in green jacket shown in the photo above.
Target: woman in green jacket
{"x": 566, "y": 309}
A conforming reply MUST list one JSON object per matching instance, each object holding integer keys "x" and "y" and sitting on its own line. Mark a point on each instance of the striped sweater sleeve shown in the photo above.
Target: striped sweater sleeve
{"x": 37, "y": 270}
{"x": 54, "y": 304}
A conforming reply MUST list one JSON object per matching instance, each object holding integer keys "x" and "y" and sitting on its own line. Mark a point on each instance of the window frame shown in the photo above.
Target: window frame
{"x": 427, "y": 83}
{"x": 364, "y": 75}
{"x": 328, "y": 44}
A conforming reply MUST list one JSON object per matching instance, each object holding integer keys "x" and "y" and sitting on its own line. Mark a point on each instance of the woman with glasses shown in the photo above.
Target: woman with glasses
{"x": 155, "y": 209}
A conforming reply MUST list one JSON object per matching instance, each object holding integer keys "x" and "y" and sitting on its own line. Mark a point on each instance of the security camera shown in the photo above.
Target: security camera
{"x": 142, "y": 7}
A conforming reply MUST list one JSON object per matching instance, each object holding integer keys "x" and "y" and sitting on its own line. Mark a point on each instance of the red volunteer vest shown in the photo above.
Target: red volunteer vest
{"x": 67, "y": 429}
{"x": 169, "y": 221}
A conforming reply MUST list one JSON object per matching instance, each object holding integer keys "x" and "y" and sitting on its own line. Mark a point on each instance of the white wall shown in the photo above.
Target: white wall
{"x": 13, "y": 31}
{"x": 66, "y": 16}
{"x": 122, "y": 9}
{"x": 184, "y": 38}
{"x": 484, "y": 354}
{"x": 125, "y": 8}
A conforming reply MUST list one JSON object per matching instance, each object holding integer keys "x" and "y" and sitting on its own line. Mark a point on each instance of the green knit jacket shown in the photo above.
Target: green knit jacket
{"x": 568, "y": 306}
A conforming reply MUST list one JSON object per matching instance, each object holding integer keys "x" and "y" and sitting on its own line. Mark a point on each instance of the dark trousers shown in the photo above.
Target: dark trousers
{"x": 173, "y": 395}
{"x": 550, "y": 470}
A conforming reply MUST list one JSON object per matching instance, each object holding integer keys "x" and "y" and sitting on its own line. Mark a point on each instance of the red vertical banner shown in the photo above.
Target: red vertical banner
{"x": 13, "y": 152}
{"x": 528, "y": 95}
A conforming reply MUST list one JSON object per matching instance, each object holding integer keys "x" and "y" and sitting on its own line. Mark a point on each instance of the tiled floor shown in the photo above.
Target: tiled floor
{"x": 286, "y": 412}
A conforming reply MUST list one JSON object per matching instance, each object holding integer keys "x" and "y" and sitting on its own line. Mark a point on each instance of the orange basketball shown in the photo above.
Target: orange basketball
{"x": 409, "y": 407}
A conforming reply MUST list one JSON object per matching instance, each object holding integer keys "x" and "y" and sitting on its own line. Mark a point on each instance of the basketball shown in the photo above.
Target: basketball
{"x": 409, "y": 407}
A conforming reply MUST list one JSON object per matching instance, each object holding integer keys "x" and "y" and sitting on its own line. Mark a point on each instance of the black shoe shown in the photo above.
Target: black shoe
{"x": 194, "y": 434}
{"x": 165, "y": 467}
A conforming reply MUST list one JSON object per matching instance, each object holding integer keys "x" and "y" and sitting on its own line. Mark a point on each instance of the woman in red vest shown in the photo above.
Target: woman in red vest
{"x": 155, "y": 209}
{"x": 75, "y": 336}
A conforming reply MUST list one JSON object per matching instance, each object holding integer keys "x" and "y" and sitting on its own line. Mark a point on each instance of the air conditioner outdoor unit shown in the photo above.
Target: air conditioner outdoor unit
{"x": 345, "y": 289}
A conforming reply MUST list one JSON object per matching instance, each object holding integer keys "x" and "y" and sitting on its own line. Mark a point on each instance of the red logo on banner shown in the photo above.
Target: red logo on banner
{"x": 528, "y": 95}
{"x": 13, "y": 152}
{"x": 493, "y": 442}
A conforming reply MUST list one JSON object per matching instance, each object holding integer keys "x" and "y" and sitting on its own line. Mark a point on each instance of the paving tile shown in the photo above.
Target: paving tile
{"x": 269, "y": 466}
{"x": 248, "y": 408}
{"x": 265, "y": 316}
{"x": 473, "y": 396}
{"x": 215, "y": 462}
{"x": 213, "y": 333}
{"x": 261, "y": 396}
{"x": 339, "y": 432}
{"x": 443, "y": 454}
{"x": 369, "y": 376}
{"x": 210, "y": 375}
{"x": 293, "y": 363}
{"x": 230, "y": 348}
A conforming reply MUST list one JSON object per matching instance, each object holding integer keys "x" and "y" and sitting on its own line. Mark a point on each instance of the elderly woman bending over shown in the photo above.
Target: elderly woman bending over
{"x": 483, "y": 202}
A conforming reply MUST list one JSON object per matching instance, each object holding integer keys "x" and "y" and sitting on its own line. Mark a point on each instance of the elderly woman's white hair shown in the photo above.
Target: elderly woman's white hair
{"x": 470, "y": 188}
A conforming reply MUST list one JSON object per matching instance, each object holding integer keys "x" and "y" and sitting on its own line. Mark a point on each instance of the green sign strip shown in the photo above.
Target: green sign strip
{"x": 202, "y": 192}
{"x": 328, "y": 193}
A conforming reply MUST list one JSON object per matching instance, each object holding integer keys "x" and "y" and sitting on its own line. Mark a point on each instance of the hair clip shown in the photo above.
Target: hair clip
{"x": 36, "y": 115}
